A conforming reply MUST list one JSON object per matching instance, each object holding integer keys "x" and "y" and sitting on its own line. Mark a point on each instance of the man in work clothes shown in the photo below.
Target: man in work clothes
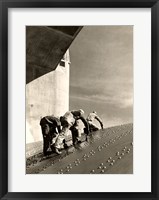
{"x": 69, "y": 122}
{"x": 51, "y": 127}
{"x": 91, "y": 117}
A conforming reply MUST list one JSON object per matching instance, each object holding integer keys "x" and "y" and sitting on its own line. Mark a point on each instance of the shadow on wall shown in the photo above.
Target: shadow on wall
{"x": 47, "y": 74}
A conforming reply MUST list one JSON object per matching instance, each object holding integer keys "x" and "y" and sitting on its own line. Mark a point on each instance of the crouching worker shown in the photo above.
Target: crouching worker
{"x": 90, "y": 119}
{"x": 77, "y": 132}
{"x": 51, "y": 127}
{"x": 68, "y": 122}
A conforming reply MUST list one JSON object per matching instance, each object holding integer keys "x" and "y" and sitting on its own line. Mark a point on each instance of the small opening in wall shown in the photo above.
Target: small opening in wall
{"x": 62, "y": 63}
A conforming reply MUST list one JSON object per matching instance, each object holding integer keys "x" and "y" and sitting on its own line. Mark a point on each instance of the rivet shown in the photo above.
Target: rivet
{"x": 92, "y": 170}
{"x": 111, "y": 164}
{"x": 101, "y": 164}
{"x": 102, "y": 171}
{"x": 117, "y": 153}
{"x": 108, "y": 161}
{"x": 122, "y": 154}
{"x": 104, "y": 167}
{"x": 99, "y": 167}
{"x": 119, "y": 157}
{"x": 110, "y": 158}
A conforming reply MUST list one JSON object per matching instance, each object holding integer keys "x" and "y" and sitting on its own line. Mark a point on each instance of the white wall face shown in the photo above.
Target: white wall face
{"x": 46, "y": 95}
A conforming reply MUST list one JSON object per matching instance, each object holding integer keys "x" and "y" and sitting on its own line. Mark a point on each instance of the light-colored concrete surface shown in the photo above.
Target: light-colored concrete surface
{"x": 46, "y": 95}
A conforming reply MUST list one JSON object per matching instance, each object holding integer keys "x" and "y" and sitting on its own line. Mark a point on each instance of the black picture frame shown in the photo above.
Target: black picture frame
{"x": 4, "y": 5}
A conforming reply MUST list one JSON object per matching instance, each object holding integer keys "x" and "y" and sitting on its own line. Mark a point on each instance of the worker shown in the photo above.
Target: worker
{"x": 69, "y": 122}
{"x": 51, "y": 127}
{"x": 90, "y": 119}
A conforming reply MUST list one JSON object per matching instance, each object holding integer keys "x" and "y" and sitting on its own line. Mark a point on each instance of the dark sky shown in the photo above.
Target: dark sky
{"x": 101, "y": 74}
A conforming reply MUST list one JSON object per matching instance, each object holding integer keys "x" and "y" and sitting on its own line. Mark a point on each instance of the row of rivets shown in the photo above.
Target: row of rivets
{"x": 111, "y": 160}
{"x": 92, "y": 152}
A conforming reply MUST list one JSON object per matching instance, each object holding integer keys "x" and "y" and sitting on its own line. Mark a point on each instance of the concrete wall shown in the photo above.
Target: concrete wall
{"x": 46, "y": 95}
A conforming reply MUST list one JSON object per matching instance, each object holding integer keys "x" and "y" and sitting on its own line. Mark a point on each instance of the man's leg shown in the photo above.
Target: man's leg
{"x": 60, "y": 139}
{"x": 45, "y": 146}
{"x": 76, "y": 135}
{"x": 93, "y": 127}
{"x": 45, "y": 133}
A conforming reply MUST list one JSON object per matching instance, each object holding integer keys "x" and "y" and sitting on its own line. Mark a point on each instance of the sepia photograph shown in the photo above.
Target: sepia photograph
{"x": 79, "y": 99}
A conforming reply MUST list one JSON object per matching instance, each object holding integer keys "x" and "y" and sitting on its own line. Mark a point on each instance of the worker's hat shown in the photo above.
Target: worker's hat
{"x": 81, "y": 111}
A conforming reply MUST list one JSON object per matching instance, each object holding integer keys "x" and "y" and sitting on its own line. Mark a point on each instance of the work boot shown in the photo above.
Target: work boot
{"x": 66, "y": 146}
{"x": 79, "y": 141}
{"x": 57, "y": 151}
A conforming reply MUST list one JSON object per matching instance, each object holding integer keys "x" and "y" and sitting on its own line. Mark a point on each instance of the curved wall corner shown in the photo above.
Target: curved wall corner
{"x": 46, "y": 95}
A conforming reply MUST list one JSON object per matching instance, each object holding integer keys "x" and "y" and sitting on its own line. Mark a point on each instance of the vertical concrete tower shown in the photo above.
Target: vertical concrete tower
{"x": 47, "y": 95}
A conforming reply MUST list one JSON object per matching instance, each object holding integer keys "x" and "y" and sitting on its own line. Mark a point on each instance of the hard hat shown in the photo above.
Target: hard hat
{"x": 81, "y": 111}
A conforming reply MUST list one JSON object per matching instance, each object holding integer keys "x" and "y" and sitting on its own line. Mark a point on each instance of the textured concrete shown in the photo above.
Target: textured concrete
{"x": 46, "y": 95}
{"x": 109, "y": 151}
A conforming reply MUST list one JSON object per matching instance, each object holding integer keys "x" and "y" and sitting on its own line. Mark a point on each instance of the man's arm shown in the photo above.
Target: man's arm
{"x": 49, "y": 119}
{"x": 85, "y": 123}
{"x": 100, "y": 121}
{"x": 59, "y": 128}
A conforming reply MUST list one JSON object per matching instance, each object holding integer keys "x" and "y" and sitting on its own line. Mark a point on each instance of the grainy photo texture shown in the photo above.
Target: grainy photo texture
{"x": 79, "y": 99}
